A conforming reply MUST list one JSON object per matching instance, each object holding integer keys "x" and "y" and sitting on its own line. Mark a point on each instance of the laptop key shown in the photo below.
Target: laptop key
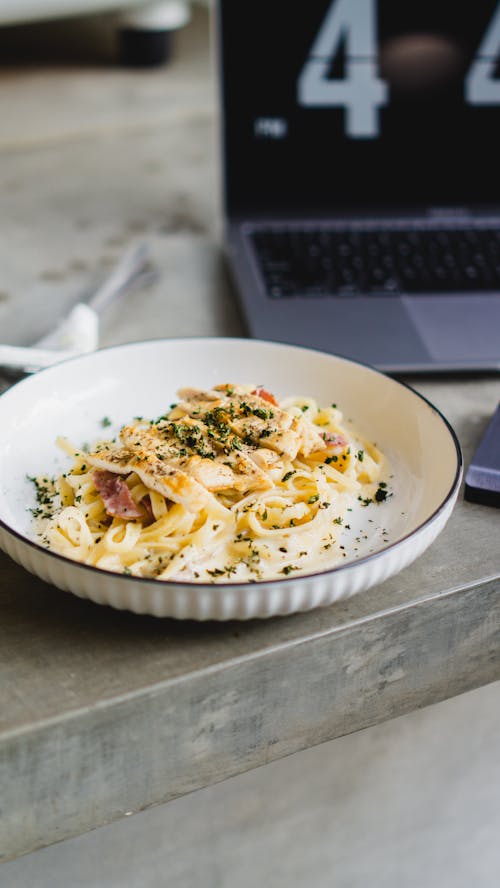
{"x": 333, "y": 262}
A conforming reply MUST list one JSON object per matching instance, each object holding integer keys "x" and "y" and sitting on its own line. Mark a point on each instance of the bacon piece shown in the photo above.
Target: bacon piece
{"x": 115, "y": 495}
{"x": 333, "y": 440}
{"x": 265, "y": 395}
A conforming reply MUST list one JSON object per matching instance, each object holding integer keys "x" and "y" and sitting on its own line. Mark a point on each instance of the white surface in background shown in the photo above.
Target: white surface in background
{"x": 166, "y": 13}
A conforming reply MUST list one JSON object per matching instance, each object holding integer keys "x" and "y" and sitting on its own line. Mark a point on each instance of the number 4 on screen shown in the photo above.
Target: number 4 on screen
{"x": 352, "y": 24}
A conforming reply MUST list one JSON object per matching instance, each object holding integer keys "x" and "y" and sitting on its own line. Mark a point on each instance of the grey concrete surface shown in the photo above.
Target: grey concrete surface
{"x": 412, "y": 803}
{"x": 94, "y": 159}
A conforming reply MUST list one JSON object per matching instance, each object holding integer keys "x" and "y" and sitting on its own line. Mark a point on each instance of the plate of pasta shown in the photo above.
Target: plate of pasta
{"x": 220, "y": 479}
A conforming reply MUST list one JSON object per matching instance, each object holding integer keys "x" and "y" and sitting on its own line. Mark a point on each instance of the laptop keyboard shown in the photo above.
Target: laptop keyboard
{"x": 336, "y": 262}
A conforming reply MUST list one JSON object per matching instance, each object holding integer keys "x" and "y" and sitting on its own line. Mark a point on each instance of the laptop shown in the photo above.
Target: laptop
{"x": 361, "y": 169}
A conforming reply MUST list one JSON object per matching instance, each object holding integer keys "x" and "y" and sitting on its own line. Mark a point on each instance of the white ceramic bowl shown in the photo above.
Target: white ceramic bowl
{"x": 142, "y": 378}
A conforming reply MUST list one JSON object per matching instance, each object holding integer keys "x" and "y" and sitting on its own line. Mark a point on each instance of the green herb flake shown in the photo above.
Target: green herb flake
{"x": 288, "y": 569}
{"x": 381, "y": 493}
{"x": 365, "y": 501}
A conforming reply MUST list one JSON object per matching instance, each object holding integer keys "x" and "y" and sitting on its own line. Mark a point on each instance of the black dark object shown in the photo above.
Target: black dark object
{"x": 346, "y": 262}
{"x": 482, "y": 481}
{"x": 144, "y": 48}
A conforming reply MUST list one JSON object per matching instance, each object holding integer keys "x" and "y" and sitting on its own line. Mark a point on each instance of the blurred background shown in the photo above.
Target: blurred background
{"x": 98, "y": 156}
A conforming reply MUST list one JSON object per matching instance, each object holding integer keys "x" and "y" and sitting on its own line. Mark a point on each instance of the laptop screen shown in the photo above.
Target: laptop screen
{"x": 334, "y": 103}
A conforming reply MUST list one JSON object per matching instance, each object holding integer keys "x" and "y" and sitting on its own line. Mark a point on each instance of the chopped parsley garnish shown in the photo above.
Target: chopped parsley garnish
{"x": 379, "y": 496}
{"x": 45, "y": 493}
{"x": 365, "y": 501}
{"x": 247, "y": 410}
{"x": 381, "y": 493}
{"x": 262, "y": 414}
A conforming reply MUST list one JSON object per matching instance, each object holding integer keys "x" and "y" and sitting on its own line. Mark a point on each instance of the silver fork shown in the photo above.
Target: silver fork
{"x": 78, "y": 331}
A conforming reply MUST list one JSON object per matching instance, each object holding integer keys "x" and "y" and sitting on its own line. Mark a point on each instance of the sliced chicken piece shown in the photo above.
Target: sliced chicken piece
{"x": 259, "y": 433}
{"x": 169, "y": 440}
{"x": 172, "y": 483}
{"x": 267, "y": 459}
{"x": 113, "y": 459}
{"x": 154, "y": 472}
{"x": 279, "y": 421}
{"x": 188, "y": 447}
{"x": 232, "y": 452}
{"x": 260, "y": 401}
{"x": 252, "y": 418}
{"x": 193, "y": 394}
{"x": 248, "y": 474}
{"x": 213, "y": 474}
